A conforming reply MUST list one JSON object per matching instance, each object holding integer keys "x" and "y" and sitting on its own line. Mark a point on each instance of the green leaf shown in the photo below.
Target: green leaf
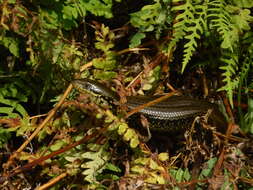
{"x": 243, "y": 3}
{"x": 6, "y": 110}
{"x": 138, "y": 169}
{"x": 122, "y": 128}
{"x": 4, "y": 136}
{"x": 134, "y": 142}
{"x": 58, "y": 145}
{"x": 229, "y": 78}
{"x": 14, "y": 106}
{"x": 248, "y": 118}
{"x": 148, "y": 16}
{"x": 97, "y": 163}
{"x": 112, "y": 167}
{"x": 163, "y": 156}
{"x": 210, "y": 165}
{"x": 106, "y": 176}
{"x": 49, "y": 19}
{"x": 12, "y": 1}
{"x": 69, "y": 12}
{"x": 243, "y": 20}
{"x": 136, "y": 39}
{"x": 187, "y": 175}
{"x": 179, "y": 175}
{"x": 97, "y": 7}
{"x": 147, "y": 86}
{"x": 153, "y": 178}
{"x": 142, "y": 161}
{"x": 14, "y": 49}
{"x": 129, "y": 134}
{"x": 12, "y": 44}
{"x": 104, "y": 75}
{"x": 106, "y": 64}
{"x": 153, "y": 165}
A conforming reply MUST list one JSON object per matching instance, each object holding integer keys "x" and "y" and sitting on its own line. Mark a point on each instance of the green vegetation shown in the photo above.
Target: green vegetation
{"x": 134, "y": 47}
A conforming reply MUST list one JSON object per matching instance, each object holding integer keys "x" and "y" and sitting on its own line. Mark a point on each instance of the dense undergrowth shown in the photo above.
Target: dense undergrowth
{"x": 53, "y": 136}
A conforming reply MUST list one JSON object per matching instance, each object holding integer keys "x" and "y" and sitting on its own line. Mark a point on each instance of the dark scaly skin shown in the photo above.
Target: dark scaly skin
{"x": 166, "y": 115}
{"x": 173, "y": 108}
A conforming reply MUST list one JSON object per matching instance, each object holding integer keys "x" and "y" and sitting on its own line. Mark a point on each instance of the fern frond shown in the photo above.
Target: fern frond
{"x": 221, "y": 20}
{"x": 244, "y": 3}
{"x": 246, "y": 121}
{"x": 190, "y": 24}
{"x": 230, "y": 79}
{"x": 11, "y": 98}
{"x": 180, "y": 22}
{"x": 245, "y": 69}
{"x": 98, "y": 157}
{"x": 96, "y": 7}
{"x": 193, "y": 33}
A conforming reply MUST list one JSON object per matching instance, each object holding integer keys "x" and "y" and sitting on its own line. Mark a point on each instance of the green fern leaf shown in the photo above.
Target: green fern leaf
{"x": 243, "y": 3}
{"x": 4, "y": 136}
{"x": 180, "y": 22}
{"x": 221, "y": 20}
{"x": 193, "y": 33}
{"x": 10, "y": 43}
{"x": 98, "y": 157}
{"x": 190, "y": 24}
{"x": 11, "y": 97}
{"x": 229, "y": 76}
{"x": 242, "y": 19}
{"x": 97, "y": 7}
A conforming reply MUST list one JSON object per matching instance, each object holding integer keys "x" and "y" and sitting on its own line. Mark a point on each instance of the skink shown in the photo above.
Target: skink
{"x": 175, "y": 108}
